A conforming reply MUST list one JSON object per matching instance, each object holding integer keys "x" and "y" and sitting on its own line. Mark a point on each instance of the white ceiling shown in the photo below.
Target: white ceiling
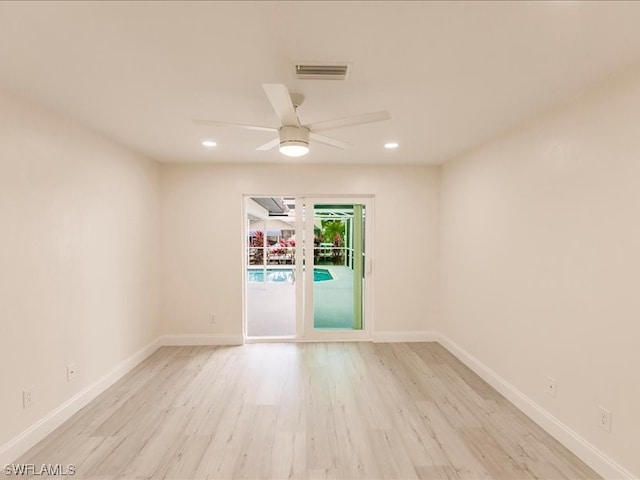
{"x": 452, "y": 75}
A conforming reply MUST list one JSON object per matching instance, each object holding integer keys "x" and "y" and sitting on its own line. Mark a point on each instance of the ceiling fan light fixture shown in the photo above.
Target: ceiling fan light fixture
{"x": 294, "y": 141}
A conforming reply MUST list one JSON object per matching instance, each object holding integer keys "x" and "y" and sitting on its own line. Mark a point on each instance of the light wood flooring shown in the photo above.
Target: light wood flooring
{"x": 326, "y": 410}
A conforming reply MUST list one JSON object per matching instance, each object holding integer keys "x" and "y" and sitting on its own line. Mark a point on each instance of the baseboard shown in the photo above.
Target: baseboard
{"x": 584, "y": 450}
{"x": 201, "y": 339}
{"x": 395, "y": 337}
{"x": 43, "y": 427}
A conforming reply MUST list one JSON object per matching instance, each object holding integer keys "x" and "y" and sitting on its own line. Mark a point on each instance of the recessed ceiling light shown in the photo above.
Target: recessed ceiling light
{"x": 391, "y": 145}
{"x": 209, "y": 143}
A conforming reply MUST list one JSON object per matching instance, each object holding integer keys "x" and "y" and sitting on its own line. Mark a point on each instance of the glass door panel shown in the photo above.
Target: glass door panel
{"x": 271, "y": 291}
{"x": 335, "y": 294}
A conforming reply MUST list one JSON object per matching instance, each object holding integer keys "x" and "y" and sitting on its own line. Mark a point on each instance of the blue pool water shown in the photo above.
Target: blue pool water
{"x": 282, "y": 275}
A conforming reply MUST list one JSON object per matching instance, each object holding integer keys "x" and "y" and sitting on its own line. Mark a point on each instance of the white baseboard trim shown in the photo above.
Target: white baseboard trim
{"x": 584, "y": 450}
{"x": 201, "y": 339}
{"x": 20, "y": 444}
{"x": 395, "y": 337}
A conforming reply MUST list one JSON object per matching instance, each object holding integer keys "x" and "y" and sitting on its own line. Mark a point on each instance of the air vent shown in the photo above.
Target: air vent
{"x": 312, "y": 71}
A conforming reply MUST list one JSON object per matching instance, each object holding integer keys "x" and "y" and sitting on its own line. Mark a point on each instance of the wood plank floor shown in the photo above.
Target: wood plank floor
{"x": 326, "y": 410}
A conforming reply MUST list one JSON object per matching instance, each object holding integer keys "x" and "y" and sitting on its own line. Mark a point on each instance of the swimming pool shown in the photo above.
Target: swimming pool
{"x": 282, "y": 275}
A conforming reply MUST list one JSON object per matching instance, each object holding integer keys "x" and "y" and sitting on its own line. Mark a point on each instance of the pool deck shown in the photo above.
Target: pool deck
{"x": 271, "y": 305}
{"x": 271, "y": 309}
{"x": 333, "y": 300}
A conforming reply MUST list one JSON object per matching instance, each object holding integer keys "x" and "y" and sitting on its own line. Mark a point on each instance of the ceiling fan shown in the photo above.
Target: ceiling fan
{"x": 293, "y": 137}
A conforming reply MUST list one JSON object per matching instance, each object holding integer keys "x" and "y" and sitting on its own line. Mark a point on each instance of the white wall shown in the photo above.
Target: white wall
{"x": 78, "y": 257}
{"x": 203, "y": 245}
{"x": 541, "y": 261}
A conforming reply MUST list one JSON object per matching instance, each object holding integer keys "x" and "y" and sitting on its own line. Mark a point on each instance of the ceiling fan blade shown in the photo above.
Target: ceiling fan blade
{"x": 349, "y": 121}
{"x": 280, "y": 99}
{"x": 239, "y": 125}
{"x": 329, "y": 141}
{"x": 269, "y": 145}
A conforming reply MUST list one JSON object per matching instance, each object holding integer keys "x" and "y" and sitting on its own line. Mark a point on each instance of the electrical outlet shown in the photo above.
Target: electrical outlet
{"x": 71, "y": 372}
{"x": 27, "y": 397}
{"x": 212, "y": 319}
{"x": 604, "y": 418}
{"x": 551, "y": 387}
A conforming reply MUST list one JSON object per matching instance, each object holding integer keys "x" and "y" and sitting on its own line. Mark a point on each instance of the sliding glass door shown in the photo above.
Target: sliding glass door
{"x": 307, "y": 266}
